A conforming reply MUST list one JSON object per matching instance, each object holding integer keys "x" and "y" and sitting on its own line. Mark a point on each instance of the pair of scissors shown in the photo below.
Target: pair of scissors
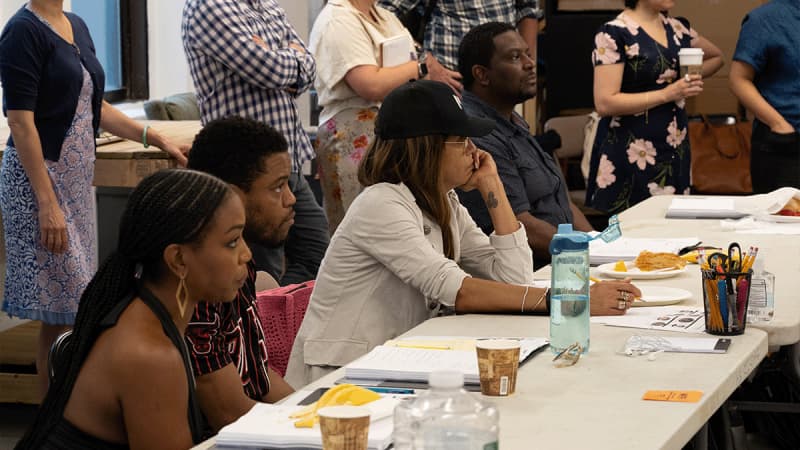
{"x": 734, "y": 263}
{"x": 717, "y": 261}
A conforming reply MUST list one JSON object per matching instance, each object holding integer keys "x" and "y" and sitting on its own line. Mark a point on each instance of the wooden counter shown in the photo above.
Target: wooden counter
{"x": 125, "y": 163}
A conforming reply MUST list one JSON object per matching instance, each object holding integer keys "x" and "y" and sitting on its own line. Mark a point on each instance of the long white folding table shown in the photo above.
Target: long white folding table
{"x": 598, "y": 402}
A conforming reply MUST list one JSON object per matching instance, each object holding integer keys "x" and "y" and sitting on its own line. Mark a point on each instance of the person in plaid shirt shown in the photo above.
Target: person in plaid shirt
{"x": 247, "y": 60}
{"x": 451, "y": 19}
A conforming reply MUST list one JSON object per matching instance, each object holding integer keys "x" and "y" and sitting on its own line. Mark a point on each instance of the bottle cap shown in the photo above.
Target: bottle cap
{"x": 567, "y": 239}
{"x": 446, "y": 379}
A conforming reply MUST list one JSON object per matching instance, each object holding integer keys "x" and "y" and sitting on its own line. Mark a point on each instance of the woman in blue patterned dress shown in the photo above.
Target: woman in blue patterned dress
{"x": 642, "y": 147}
{"x": 53, "y": 98}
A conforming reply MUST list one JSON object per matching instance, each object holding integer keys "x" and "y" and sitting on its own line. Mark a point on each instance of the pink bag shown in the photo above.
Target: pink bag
{"x": 281, "y": 312}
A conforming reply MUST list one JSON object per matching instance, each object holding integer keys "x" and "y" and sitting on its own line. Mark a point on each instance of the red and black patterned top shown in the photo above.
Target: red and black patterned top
{"x": 224, "y": 333}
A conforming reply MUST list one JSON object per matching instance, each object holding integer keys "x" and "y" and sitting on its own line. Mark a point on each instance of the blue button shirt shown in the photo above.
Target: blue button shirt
{"x": 770, "y": 42}
{"x": 531, "y": 177}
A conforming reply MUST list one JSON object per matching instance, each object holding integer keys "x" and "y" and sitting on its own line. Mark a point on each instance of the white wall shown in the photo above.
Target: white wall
{"x": 169, "y": 71}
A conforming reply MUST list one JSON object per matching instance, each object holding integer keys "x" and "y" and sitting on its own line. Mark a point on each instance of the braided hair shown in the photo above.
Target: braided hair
{"x": 172, "y": 206}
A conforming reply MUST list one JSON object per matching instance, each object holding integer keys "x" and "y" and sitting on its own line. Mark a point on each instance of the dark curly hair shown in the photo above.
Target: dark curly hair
{"x": 234, "y": 149}
{"x": 477, "y": 47}
{"x": 631, "y": 3}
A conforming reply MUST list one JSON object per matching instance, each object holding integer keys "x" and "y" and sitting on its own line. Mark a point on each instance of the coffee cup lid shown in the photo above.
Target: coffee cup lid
{"x": 497, "y": 344}
{"x": 690, "y": 51}
{"x": 343, "y": 412}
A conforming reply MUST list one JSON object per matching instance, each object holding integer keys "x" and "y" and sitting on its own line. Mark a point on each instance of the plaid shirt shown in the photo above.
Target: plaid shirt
{"x": 241, "y": 64}
{"x": 452, "y": 19}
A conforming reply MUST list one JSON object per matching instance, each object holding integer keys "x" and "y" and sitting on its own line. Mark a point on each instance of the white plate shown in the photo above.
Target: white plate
{"x": 774, "y": 218}
{"x": 636, "y": 274}
{"x": 661, "y": 295}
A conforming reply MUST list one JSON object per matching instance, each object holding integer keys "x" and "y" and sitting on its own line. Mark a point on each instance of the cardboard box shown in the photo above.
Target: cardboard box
{"x": 115, "y": 172}
{"x": 18, "y": 348}
{"x": 125, "y": 163}
{"x": 590, "y": 5}
{"x": 716, "y": 98}
{"x": 718, "y": 21}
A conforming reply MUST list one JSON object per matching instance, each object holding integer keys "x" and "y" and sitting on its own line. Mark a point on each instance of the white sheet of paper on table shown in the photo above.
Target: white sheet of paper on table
{"x": 664, "y": 318}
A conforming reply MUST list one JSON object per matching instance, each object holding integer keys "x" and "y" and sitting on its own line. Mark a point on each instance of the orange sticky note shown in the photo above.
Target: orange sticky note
{"x": 673, "y": 396}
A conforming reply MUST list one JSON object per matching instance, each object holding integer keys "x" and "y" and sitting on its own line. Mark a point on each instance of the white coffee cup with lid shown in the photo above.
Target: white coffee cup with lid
{"x": 691, "y": 61}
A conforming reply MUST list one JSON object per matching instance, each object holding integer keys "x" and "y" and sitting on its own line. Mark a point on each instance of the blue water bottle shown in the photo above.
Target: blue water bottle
{"x": 569, "y": 289}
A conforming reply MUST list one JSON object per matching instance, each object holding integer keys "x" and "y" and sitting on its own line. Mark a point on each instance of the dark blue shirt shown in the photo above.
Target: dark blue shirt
{"x": 531, "y": 177}
{"x": 41, "y": 72}
{"x": 770, "y": 42}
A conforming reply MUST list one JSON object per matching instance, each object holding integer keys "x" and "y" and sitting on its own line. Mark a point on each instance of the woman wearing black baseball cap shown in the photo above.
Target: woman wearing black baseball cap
{"x": 406, "y": 248}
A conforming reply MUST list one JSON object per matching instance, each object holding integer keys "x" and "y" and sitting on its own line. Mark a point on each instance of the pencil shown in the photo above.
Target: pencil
{"x": 424, "y": 347}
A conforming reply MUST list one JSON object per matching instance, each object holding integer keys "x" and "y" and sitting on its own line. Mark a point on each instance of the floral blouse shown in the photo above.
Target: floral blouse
{"x": 644, "y": 154}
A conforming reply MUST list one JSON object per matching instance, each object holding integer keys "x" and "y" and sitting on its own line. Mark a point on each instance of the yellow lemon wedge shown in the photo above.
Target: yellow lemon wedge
{"x": 620, "y": 266}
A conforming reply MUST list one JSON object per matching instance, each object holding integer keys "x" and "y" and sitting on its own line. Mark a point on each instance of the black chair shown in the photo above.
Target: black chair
{"x": 59, "y": 352}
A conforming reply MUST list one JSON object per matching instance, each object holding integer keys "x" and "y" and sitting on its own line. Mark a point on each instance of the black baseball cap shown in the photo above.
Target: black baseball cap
{"x": 426, "y": 108}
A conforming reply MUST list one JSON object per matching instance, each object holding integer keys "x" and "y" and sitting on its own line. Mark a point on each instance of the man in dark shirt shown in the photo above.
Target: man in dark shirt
{"x": 226, "y": 341}
{"x": 498, "y": 73}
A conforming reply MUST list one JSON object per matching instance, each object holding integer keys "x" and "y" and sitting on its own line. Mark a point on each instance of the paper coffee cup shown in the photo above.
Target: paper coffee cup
{"x": 691, "y": 61}
{"x": 498, "y": 361}
{"x": 344, "y": 427}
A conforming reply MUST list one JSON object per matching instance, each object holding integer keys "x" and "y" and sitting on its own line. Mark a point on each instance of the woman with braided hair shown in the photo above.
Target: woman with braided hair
{"x": 127, "y": 382}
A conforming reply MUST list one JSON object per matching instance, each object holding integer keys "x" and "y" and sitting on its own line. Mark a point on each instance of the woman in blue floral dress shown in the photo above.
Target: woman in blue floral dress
{"x": 53, "y": 97}
{"x": 642, "y": 148}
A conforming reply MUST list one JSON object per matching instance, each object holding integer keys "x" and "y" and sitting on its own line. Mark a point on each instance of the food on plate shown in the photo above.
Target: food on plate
{"x": 791, "y": 208}
{"x": 342, "y": 394}
{"x": 620, "y": 266}
{"x": 649, "y": 261}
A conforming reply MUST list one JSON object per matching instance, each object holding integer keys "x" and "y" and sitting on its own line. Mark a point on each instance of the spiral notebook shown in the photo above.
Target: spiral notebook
{"x": 414, "y": 358}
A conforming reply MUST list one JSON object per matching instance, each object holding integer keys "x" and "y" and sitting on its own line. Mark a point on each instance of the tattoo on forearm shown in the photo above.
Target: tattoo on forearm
{"x": 491, "y": 200}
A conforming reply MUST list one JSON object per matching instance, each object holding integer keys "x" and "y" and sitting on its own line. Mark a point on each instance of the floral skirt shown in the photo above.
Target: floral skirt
{"x": 341, "y": 143}
{"x": 39, "y": 284}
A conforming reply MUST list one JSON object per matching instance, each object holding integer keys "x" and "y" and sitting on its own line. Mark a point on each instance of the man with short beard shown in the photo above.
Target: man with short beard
{"x": 226, "y": 340}
{"x": 498, "y": 74}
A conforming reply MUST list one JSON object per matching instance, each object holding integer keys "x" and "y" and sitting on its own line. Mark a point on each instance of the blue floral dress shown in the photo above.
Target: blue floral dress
{"x": 41, "y": 285}
{"x": 644, "y": 154}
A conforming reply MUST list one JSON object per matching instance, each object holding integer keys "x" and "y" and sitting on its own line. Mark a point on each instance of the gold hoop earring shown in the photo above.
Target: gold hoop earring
{"x": 182, "y": 295}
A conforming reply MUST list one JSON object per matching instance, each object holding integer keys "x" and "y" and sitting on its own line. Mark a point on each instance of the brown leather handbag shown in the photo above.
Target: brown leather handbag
{"x": 720, "y": 157}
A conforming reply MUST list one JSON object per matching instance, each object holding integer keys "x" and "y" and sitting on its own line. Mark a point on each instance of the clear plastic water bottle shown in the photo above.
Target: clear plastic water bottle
{"x": 761, "y": 306}
{"x": 569, "y": 289}
{"x": 445, "y": 417}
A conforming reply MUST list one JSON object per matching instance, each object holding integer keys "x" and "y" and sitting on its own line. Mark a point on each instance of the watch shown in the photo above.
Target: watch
{"x": 422, "y": 69}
